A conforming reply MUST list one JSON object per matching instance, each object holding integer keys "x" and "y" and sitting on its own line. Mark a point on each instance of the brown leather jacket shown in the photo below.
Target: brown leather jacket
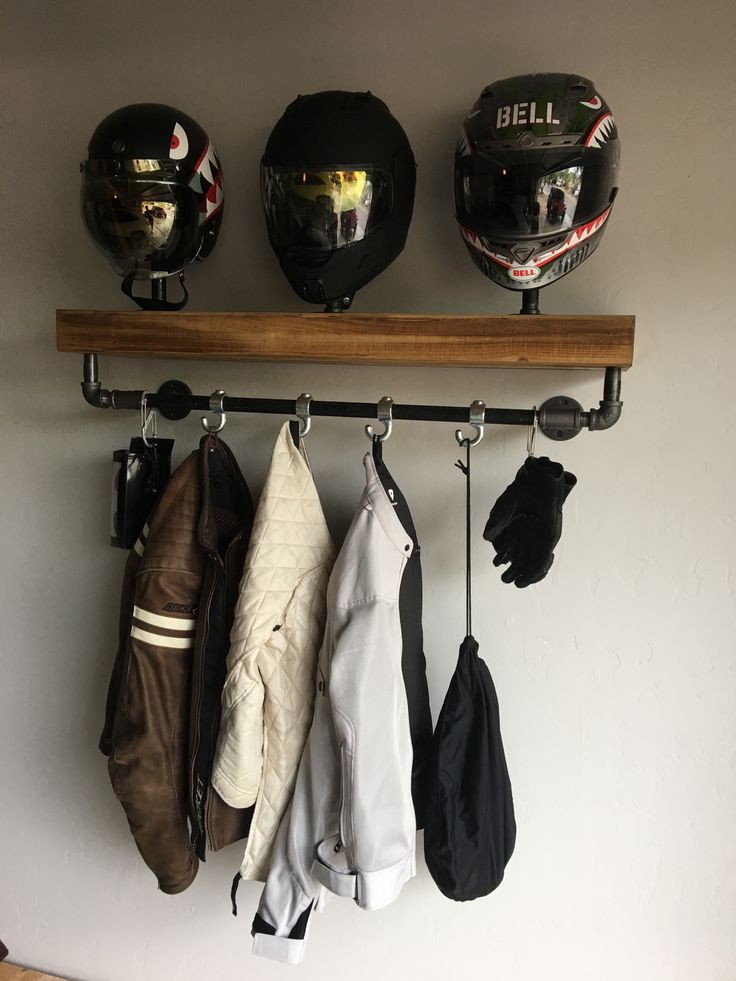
{"x": 163, "y": 705}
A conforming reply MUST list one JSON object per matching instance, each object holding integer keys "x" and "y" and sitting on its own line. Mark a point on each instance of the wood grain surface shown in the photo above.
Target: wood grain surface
{"x": 349, "y": 338}
{"x": 12, "y": 972}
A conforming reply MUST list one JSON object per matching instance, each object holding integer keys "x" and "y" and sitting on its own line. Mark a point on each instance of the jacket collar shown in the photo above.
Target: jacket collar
{"x": 207, "y": 535}
{"x": 384, "y": 509}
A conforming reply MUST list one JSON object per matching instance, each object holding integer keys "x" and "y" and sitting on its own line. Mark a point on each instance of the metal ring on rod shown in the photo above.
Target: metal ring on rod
{"x": 384, "y": 411}
{"x": 216, "y": 408}
{"x": 477, "y": 419}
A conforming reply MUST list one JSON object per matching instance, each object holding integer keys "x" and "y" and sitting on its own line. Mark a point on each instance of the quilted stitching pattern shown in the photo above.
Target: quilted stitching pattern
{"x": 268, "y": 697}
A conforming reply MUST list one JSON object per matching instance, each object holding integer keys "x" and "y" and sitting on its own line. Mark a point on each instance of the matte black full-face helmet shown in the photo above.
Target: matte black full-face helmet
{"x": 536, "y": 173}
{"x": 152, "y": 196}
{"x": 337, "y": 186}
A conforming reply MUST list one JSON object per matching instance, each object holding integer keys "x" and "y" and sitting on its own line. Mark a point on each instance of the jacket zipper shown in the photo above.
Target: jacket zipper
{"x": 228, "y": 586}
{"x": 344, "y": 841}
{"x": 216, "y": 717}
{"x": 201, "y": 812}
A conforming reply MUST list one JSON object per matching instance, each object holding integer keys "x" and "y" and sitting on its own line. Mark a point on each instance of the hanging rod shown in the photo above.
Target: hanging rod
{"x": 559, "y": 418}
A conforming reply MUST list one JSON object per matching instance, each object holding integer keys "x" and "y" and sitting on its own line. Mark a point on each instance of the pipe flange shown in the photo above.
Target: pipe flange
{"x": 177, "y": 389}
{"x": 560, "y": 417}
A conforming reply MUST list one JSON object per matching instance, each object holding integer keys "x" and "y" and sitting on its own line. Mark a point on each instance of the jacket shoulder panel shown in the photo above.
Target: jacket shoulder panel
{"x": 290, "y": 538}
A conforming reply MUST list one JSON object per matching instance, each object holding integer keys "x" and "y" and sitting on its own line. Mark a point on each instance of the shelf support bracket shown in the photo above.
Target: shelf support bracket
{"x": 562, "y": 418}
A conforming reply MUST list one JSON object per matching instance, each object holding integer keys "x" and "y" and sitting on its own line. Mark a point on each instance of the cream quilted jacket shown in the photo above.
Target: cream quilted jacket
{"x": 268, "y": 698}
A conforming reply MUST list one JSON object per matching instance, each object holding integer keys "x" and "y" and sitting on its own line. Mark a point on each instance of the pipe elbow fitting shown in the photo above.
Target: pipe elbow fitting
{"x": 96, "y": 395}
{"x": 606, "y": 416}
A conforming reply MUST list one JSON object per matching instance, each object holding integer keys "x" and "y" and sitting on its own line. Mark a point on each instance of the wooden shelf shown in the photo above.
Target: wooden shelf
{"x": 355, "y": 338}
{"x": 12, "y": 972}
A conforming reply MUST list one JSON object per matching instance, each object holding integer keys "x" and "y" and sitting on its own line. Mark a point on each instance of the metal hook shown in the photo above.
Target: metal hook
{"x": 477, "y": 419}
{"x": 384, "y": 413}
{"x": 531, "y": 438}
{"x": 215, "y": 409}
{"x": 302, "y": 412}
{"x": 147, "y": 418}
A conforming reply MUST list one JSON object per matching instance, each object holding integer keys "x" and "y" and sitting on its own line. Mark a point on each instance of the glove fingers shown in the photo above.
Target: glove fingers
{"x": 506, "y": 548}
{"x": 535, "y": 574}
{"x": 517, "y": 568}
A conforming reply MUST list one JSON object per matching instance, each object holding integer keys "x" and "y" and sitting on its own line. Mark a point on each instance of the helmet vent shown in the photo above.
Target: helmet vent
{"x": 551, "y": 243}
{"x": 522, "y": 252}
{"x": 574, "y": 258}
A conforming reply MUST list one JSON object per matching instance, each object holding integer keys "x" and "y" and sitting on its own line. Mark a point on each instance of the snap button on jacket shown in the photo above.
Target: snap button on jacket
{"x": 164, "y": 697}
{"x": 268, "y": 698}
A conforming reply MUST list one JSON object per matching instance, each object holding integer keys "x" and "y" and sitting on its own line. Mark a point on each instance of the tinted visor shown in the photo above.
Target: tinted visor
{"x": 545, "y": 194}
{"x": 141, "y": 218}
{"x": 322, "y": 210}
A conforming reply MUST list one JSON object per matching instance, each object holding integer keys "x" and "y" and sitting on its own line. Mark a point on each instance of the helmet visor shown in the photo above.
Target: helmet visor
{"x": 323, "y": 210}
{"x": 544, "y": 195}
{"x": 142, "y": 226}
{"x": 136, "y": 169}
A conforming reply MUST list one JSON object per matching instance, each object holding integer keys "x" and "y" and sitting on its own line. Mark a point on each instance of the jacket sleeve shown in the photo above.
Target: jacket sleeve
{"x": 145, "y": 732}
{"x": 351, "y": 825}
{"x": 291, "y": 892}
{"x": 126, "y": 612}
{"x": 236, "y": 774}
{"x": 281, "y": 924}
{"x": 374, "y": 854}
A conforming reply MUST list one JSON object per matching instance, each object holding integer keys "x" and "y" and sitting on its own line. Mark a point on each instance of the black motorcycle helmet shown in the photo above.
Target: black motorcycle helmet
{"x": 152, "y": 196}
{"x": 536, "y": 173}
{"x": 337, "y": 186}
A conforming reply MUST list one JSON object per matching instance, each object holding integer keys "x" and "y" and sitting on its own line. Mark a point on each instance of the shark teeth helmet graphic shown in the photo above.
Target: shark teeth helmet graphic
{"x": 152, "y": 193}
{"x": 536, "y": 175}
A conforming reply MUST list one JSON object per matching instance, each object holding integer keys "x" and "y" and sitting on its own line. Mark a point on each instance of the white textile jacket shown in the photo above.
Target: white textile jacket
{"x": 350, "y": 830}
{"x": 268, "y": 698}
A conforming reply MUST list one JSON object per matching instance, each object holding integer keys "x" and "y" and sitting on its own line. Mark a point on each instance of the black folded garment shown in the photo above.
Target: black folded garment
{"x": 525, "y": 523}
{"x": 470, "y": 830}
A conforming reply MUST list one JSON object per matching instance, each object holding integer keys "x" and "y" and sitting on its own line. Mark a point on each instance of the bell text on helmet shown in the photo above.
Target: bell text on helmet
{"x": 526, "y": 112}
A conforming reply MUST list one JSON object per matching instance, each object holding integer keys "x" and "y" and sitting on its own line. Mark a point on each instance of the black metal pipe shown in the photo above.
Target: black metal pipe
{"x": 91, "y": 387}
{"x": 530, "y": 301}
{"x": 562, "y": 418}
{"x": 339, "y": 306}
{"x": 346, "y": 410}
{"x": 611, "y": 405}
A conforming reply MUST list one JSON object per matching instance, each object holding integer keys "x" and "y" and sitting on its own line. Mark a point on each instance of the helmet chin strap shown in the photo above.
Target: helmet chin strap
{"x": 154, "y": 302}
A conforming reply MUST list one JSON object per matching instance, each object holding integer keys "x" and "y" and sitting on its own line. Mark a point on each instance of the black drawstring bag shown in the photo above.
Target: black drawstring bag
{"x": 470, "y": 829}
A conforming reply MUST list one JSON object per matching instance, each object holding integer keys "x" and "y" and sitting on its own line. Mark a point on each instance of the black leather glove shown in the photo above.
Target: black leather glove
{"x": 525, "y": 523}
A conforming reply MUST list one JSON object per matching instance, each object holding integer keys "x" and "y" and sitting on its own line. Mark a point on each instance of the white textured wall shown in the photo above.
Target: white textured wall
{"x": 615, "y": 675}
